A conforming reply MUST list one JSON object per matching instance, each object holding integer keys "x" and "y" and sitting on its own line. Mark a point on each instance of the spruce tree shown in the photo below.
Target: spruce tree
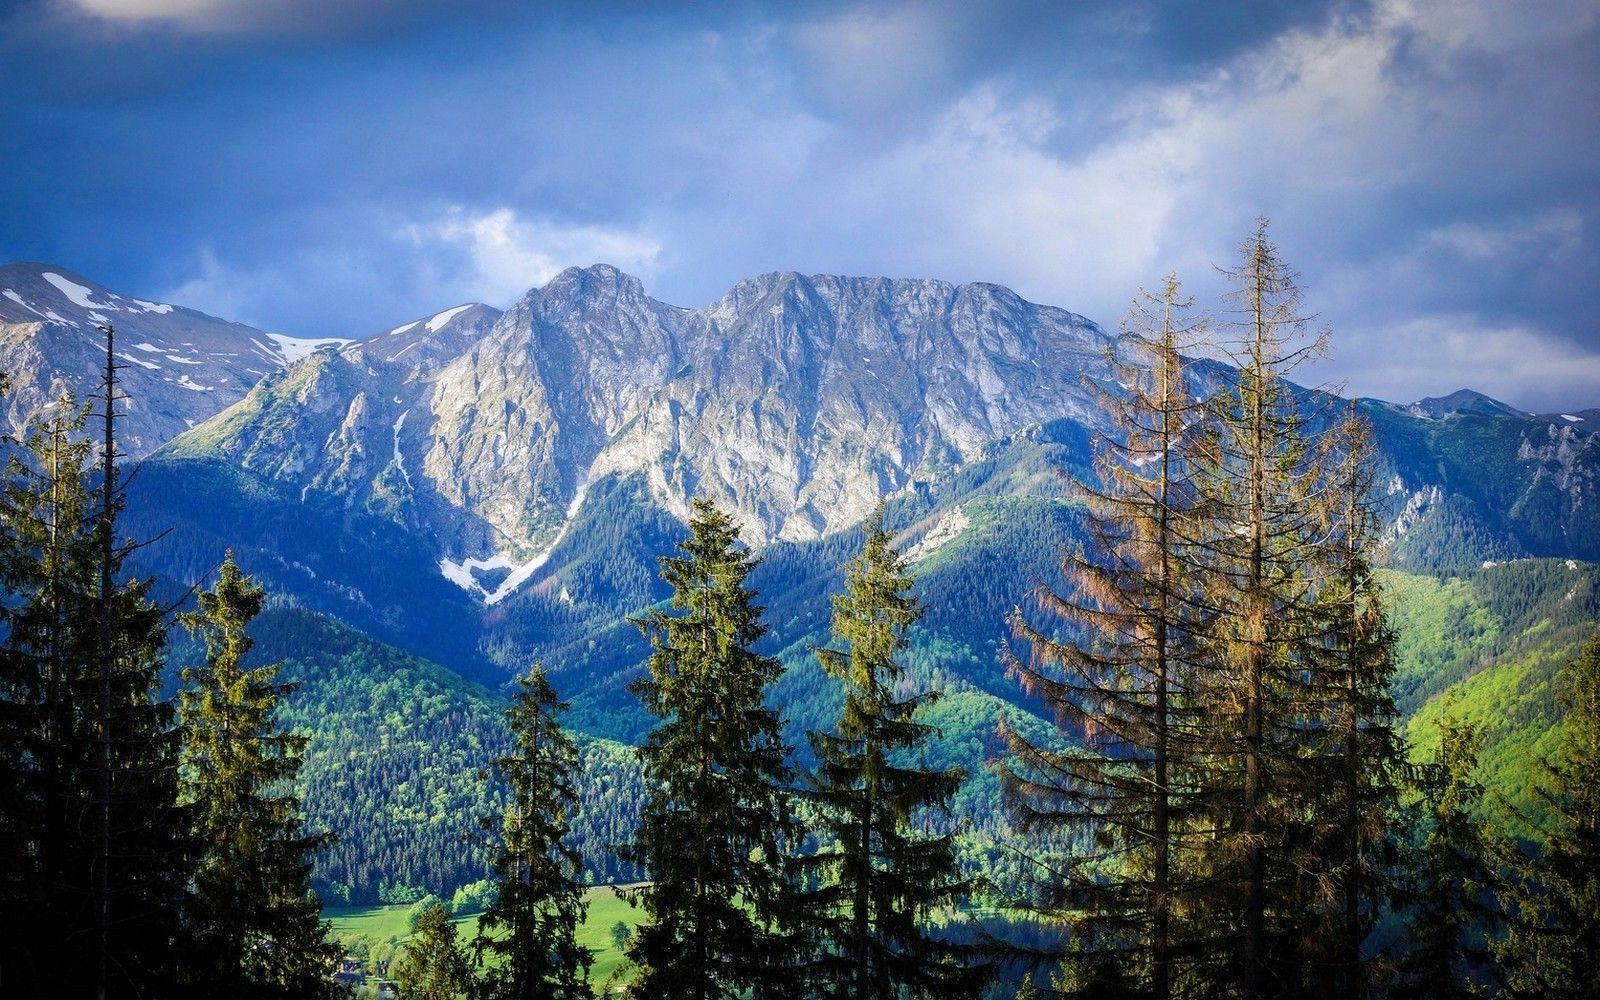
{"x": 1448, "y": 913}
{"x": 716, "y": 828}
{"x": 531, "y": 928}
{"x": 1363, "y": 762}
{"x": 256, "y": 924}
{"x": 139, "y": 848}
{"x": 880, "y": 876}
{"x": 1119, "y": 677}
{"x": 48, "y": 547}
{"x": 431, "y": 965}
{"x": 1552, "y": 947}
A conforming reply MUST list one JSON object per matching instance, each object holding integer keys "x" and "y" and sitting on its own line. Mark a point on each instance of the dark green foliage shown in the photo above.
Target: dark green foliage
{"x": 716, "y": 828}
{"x": 1364, "y": 758}
{"x": 529, "y": 932}
{"x": 255, "y": 924}
{"x": 395, "y": 744}
{"x": 879, "y": 875}
{"x": 1552, "y": 948}
{"x": 91, "y": 821}
{"x": 432, "y": 965}
{"x": 1448, "y": 914}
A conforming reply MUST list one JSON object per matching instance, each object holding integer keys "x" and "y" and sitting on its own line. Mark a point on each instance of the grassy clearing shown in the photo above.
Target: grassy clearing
{"x": 389, "y": 923}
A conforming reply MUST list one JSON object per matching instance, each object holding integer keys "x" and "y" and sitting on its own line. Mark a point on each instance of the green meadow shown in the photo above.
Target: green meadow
{"x": 392, "y": 924}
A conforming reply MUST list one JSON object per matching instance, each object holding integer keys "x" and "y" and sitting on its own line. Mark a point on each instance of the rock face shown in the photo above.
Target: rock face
{"x": 803, "y": 401}
{"x": 797, "y": 402}
{"x": 518, "y": 419}
{"x": 179, "y": 366}
{"x": 350, "y": 425}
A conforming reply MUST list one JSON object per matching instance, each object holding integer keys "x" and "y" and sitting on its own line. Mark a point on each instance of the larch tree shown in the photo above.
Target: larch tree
{"x": 1116, "y": 659}
{"x": 716, "y": 828}
{"x": 530, "y": 930}
{"x": 1552, "y": 894}
{"x": 880, "y": 874}
{"x": 1269, "y": 697}
{"x": 256, "y": 924}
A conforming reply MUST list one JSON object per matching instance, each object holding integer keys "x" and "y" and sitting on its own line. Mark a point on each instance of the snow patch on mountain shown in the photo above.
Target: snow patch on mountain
{"x": 464, "y": 574}
{"x": 292, "y": 349}
{"x": 400, "y": 459}
{"x": 441, "y": 319}
{"x": 79, "y": 295}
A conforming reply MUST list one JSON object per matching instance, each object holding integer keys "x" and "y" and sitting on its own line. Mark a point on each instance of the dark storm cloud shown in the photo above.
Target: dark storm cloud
{"x": 335, "y": 168}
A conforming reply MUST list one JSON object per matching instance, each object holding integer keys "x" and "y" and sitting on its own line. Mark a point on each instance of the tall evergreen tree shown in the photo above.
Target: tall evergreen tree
{"x": 880, "y": 875}
{"x": 1119, "y": 678}
{"x": 256, "y": 924}
{"x": 106, "y": 847}
{"x": 47, "y": 545}
{"x": 531, "y": 928}
{"x": 1448, "y": 915}
{"x": 1365, "y": 759}
{"x": 716, "y": 828}
{"x": 1269, "y": 697}
{"x": 431, "y": 965}
{"x": 1552, "y": 947}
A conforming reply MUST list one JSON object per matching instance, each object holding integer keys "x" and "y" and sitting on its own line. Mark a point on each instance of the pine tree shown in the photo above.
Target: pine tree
{"x": 1448, "y": 917}
{"x": 1366, "y": 757}
{"x": 432, "y": 966}
{"x": 1119, "y": 682}
{"x": 1552, "y": 947}
{"x": 881, "y": 877}
{"x": 1269, "y": 697}
{"x": 715, "y": 831}
{"x": 256, "y": 924}
{"x": 531, "y": 928}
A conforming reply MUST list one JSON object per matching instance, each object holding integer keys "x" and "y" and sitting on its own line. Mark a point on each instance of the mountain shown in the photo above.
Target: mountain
{"x": 478, "y": 491}
{"x": 350, "y": 426}
{"x": 1462, "y": 401}
{"x": 1487, "y": 483}
{"x": 179, "y": 366}
{"x": 799, "y": 402}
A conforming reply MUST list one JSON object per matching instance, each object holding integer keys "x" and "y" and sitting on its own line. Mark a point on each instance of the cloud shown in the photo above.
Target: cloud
{"x": 507, "y": 254}
{"x": 247, "y": 19}
{"x": 1426, "y": 162}
{"x": 1435, "y": 355}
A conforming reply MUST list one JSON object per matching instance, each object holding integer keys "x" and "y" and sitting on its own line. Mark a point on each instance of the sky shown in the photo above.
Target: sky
{"x": 336, "y": 167}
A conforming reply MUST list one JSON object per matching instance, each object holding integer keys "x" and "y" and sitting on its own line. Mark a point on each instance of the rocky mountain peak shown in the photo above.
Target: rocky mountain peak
{"x": 179, "y": 366}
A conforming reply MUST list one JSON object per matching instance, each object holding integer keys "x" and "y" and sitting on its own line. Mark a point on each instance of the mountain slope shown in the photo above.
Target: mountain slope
{"x": 179, "y": 366}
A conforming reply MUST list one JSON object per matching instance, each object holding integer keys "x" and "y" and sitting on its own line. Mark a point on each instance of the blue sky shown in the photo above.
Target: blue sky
{"x": 327, "y": 168}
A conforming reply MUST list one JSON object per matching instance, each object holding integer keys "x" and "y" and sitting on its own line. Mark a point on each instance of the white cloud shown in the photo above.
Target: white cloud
{"x": 1342, "y": 133}
{"x": 242, "y": 17}
{"x": 508, "y": 254}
